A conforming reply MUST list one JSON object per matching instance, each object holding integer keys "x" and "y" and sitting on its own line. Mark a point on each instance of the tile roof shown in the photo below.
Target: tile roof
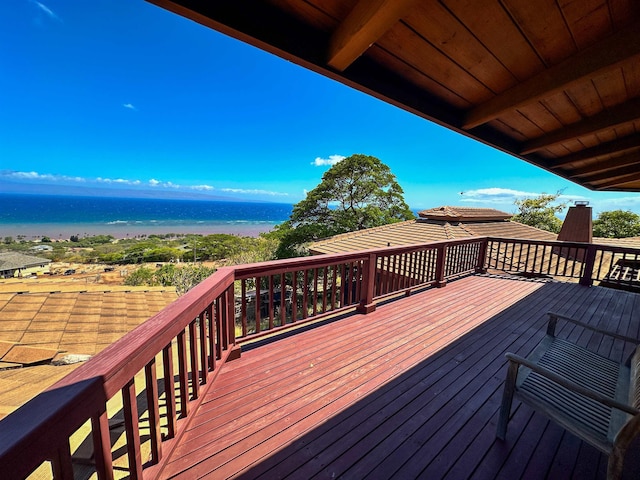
{"x": 62, "y": 323}
{"x": 424, "y": 231}
{"x": 631, "y": 242}
{"x": 14, "y": 260}
{"x": 460, "y": 214}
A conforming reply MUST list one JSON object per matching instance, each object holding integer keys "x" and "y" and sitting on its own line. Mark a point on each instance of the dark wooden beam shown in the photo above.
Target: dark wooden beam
{"x": 613, "y": 174}
{"x": 605, "y": 120}
{"x": 616, "y": 146}
{"x": 632, "y": 158}
{"x": 367, "y": 22}
{"x": 607, "y": 55}
{"x": 634, "y": 177}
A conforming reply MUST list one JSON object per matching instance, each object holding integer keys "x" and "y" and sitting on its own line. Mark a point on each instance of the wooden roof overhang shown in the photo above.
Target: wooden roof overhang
{"x": 553, "y": 82}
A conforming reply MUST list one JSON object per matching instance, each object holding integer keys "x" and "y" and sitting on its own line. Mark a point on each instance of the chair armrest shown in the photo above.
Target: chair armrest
{"x": 568, "y": 384}
{"x": 553, "y": 317}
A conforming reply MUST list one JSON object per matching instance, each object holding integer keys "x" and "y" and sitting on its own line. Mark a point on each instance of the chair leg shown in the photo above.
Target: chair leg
{"x": 507, "y": 399}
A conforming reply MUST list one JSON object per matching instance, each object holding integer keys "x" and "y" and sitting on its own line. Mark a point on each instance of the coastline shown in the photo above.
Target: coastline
{"x": 61, "y": 231}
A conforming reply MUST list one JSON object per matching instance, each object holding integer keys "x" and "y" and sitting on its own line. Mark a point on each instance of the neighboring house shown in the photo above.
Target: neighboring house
{"x": 442, "y": 223}
{"x": 42, "y": 248}
{"x": 447, "y": 223}
{"x": 20, "y": 265}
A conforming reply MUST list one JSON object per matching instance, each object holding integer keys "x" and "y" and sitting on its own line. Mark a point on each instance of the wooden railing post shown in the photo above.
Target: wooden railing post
{"x": 368, "y": 283}
{"x": 587, "y": 274}
{"x": 482, "y": 256}
{"x": 440, "y": 263}
{"x": 102, "y": 445}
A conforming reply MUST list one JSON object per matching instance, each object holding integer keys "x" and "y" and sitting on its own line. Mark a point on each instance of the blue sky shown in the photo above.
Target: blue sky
{"x": 121, "y": 95}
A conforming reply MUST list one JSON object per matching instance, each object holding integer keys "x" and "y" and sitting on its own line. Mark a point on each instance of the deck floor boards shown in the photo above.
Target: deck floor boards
{"x": 411, "y": 390}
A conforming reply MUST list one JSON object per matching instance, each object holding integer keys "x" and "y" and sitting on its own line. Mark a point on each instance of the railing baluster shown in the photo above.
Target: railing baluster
{"x": 305, "y": 294}
{"x": 358, "y": 273}
{"x": 202, "y": 337}
{"x": 283, "y": 299}
{"x": 271, "y": 308}
{"x": 315, "y": 292}
{"x": 258, "y": 306}
{"x": 294, "y": 303}
{"x": 334, "y": 287}
{"x": 151, "y": 383}
{"x": 243, "y": 308}
{"x": 405, "y": 271}
{"x": 229, "y": 318}
{"x": 61, "y": 463}
{"x": 169, "y": 390}
{"x": 325, "y": 283}
{"x": 130, "y": 409}
{"x": 183, "y": 375}
{"x": 213, "y": 337}
{"x": 102, "y": 445}
{"x": 193, "y": 360}
{"x": 598, "y": 274}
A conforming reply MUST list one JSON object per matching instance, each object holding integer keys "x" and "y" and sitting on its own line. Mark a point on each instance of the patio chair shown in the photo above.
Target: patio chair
{"x": 593, "y": 397}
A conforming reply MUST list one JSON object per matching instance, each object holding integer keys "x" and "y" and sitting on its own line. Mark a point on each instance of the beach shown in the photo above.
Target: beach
{"x": 57, "y": 231}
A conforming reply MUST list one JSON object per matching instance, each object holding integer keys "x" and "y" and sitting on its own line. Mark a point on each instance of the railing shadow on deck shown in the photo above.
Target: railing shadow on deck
{"x": 438, "y": 418}
{"x": 197, "y": 333}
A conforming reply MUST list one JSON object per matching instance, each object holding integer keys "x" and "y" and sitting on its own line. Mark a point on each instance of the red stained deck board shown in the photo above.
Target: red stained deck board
{"x": 419, "y": 398}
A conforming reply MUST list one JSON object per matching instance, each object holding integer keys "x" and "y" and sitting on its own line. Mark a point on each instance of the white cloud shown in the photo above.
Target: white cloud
{"x": 39, "y": 176}
{"x": 253, "y": 192}
{"x": 619, "y": 203}
{"x": 153, "y": 182}
{"x": 129, "y": 106}
{"x": 332, "y": 160}
{"x": 47, "y": 11}
{"x": 494, "y": 195}
{"x": 120, "y": 181}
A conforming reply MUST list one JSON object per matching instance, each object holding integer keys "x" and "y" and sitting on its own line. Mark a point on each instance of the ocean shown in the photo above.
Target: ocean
{"x": 62, "y": 216}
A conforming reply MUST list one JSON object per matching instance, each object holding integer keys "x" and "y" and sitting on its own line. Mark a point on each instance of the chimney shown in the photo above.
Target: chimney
{"x": 577, "y": 225}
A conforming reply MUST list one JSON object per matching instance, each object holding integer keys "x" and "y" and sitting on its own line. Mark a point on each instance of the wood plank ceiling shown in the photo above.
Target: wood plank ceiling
{"x": 553, "y": 82}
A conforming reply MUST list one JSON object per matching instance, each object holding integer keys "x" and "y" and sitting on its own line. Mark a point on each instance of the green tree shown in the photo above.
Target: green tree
{"x": 357, "y": 193}
{"x": 617, "y": 224}
{"x": 540, "y": 212}
{"x": 141, "y": 276}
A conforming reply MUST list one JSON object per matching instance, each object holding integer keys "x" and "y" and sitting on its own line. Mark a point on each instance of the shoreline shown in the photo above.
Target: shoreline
{"x": 59, "y": 231}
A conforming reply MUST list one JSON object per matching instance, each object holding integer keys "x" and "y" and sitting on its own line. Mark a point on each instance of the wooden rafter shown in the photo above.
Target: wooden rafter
{"x": 367, "y": 22}
{"x": 611, "y": 164}
{"x": 597, "y": 59}
{"x": 607, "y": 119}
{"x": 633, "y": 177}
{"x": 615, "y": 174}
{"x": 621, "y": 145}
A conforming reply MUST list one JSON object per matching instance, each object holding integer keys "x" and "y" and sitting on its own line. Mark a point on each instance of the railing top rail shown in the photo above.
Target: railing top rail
{"x": 26, "y": 440}
{"x": 293, "y": 264}
{"x": 598, "y": 246}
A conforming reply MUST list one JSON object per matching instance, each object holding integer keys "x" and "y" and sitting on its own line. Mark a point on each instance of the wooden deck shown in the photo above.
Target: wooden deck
{"x": 411, "y": 390}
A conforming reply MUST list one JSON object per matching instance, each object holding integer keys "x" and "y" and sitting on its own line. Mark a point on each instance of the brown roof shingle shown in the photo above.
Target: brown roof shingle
{"x": 460, "y": 214}
{"x": 424, "y": 230}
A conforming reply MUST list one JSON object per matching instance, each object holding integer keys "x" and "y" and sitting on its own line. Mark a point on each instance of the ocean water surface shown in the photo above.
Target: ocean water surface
{"x": 61, "y": 216}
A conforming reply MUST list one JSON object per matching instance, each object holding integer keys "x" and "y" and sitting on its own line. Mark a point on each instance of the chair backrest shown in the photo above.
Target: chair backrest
{"x": 634, "y": 379}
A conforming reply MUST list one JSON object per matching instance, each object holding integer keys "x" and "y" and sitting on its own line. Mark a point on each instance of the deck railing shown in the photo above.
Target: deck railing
{"x": 171, "y": 356}
{"x": 605, "y": 265}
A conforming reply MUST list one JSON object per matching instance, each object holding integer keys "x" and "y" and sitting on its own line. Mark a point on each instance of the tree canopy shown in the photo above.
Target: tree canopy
{"x": 540, "y": 212}
{"x": 357, "y": 193}
{"x": 616, "y": 224}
